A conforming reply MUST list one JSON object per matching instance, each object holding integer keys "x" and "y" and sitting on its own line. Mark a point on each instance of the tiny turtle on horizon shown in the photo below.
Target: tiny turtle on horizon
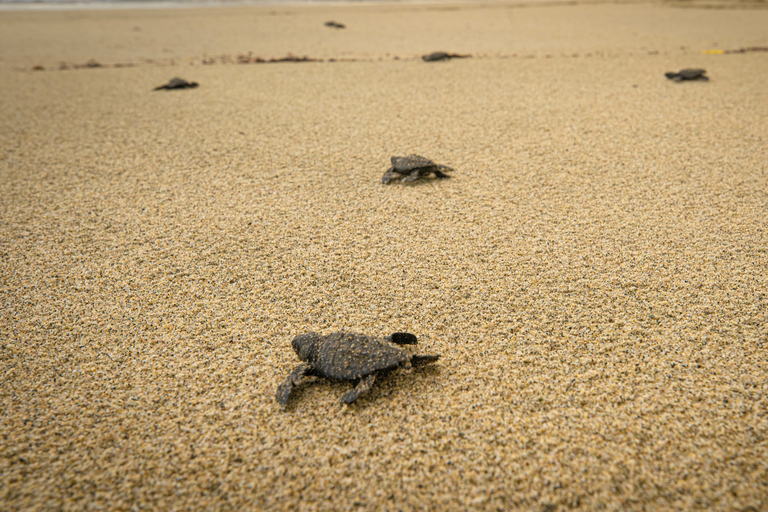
{"x": 176, "y": 83}
{"x": 413, "y": 167}
{"x": 349, "y": 356}
{"x": 439, "y": 56}
{"x": 687, "y": 74}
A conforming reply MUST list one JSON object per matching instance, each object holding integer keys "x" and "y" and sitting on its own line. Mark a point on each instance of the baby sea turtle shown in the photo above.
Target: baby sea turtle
{"x": 334, "y": 24}
{"x": 438, "y": 56}
{"x": 687, "y": 74}
{"x": 413, "y": 167}
{"x": 177, "y": 83}
{"x": 349, "y": 356}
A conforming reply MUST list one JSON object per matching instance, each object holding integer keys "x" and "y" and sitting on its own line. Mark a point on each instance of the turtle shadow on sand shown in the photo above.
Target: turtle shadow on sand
{"x": 353, "y": 357}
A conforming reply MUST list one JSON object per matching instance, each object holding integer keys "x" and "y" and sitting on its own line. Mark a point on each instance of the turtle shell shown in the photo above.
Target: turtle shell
{"x": 411, "y": 162}
{"x": 691, "y": 74}
{"x": 344, "y": 355}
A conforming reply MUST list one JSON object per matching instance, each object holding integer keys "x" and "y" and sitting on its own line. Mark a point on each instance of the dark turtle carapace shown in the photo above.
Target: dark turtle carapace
{"x": 177, "y": 83}
{"x": 413, "y": 167}
{"x": 349, "y": 356}
{"x": 687, "y": 74}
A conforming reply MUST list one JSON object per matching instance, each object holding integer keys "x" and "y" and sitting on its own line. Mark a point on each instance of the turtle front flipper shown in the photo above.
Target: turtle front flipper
{"x": 293, "y": 380}
{"x": 402, "y": 338}
{"x": 388, "y": 175}
{"x": 363, "y": 386}
{"x": 441, "y": 174}
{"x": 414, "y": 175}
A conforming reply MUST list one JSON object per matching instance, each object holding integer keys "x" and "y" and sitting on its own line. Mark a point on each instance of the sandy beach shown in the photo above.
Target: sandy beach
{"x": 594, "y": 274}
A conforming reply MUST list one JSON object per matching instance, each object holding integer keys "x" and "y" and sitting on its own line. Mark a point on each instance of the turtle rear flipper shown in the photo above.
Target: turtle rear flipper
{"x": 422, "y": 360}
{"x": 363, "y": 386}
{"x": 403, "y": 338}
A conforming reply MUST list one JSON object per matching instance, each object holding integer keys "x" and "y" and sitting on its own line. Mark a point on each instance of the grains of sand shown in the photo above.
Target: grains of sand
{"x": 594, "y": 273}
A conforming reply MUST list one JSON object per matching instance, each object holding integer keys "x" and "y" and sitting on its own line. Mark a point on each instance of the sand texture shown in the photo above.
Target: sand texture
{"x": 594, "y": 274}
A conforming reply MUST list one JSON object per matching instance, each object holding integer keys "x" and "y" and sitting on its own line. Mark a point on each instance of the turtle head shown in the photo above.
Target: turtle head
{"x": 305, "y": 346}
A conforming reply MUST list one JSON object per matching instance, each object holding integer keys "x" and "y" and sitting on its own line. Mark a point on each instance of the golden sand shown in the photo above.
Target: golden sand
{"x": 594, "y": 275}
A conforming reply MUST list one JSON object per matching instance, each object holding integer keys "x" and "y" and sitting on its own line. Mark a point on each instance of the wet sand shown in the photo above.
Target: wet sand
{"x": 594, "y": 273}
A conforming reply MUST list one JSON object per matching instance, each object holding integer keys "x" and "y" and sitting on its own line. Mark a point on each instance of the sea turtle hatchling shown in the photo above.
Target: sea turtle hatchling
{"x": 441, "y": 56}
{"x": 176, "y": 83}
{"x": 413, "y": 167}
{"x": 687, "y": 74}
{"x": 349, "y": 356}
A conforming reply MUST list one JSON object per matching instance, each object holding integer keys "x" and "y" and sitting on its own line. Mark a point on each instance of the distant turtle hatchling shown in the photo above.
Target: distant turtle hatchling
{"x": 440, "y": 56}
{"x": 349, "y": 356}
{"x": 413, "y": 167}
{"x": 687, "y": 74}
{"x": 177, "y": 83}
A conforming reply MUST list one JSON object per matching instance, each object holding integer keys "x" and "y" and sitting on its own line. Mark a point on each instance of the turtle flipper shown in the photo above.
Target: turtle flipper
{"x": 294, "y": 379}
{"x": 388, "y": 175}
{"x": 402, "y": 338}
{"x": 441, "y": 174}
{"x": 421, "y": 360}
{"x": 363, "y": 386}
{"x": 415, "y": 174}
